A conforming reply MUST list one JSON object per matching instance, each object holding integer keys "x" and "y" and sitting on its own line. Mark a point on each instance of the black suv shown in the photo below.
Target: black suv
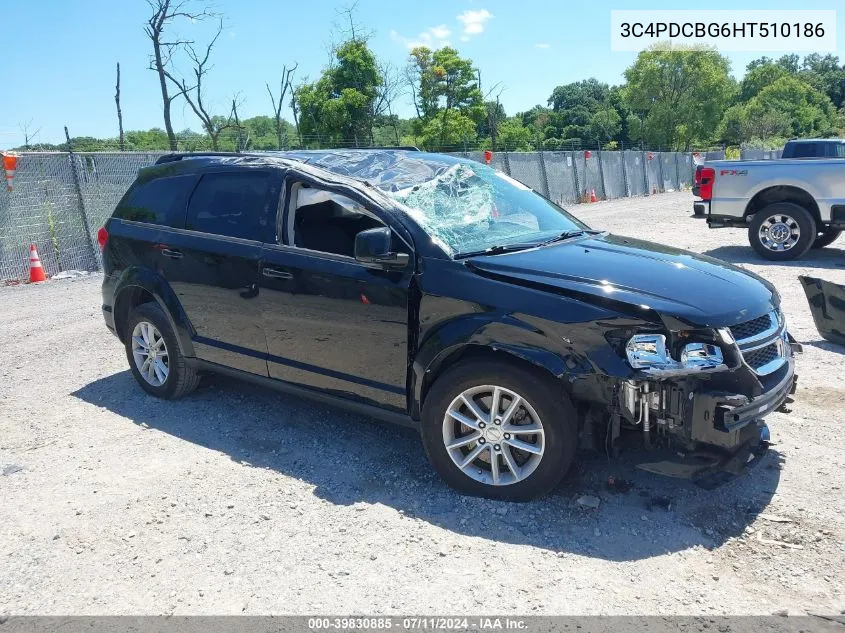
{"x": 438, "y": 293}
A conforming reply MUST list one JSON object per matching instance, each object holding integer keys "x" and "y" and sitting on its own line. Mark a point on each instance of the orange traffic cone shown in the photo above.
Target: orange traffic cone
{"x": 593, "y": 196}
{"x": 10, "y": 163}
{"x": 36, "y": 270}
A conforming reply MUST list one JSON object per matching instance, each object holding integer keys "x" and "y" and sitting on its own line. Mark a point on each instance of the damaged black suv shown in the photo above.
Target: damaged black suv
{"x": 436, "y": 292}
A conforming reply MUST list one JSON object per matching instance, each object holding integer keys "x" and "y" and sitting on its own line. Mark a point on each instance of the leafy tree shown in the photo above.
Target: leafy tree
{"x": 340, "y": 105}
{"x": 825, "y": 74}
{"x": 444, "y": 86}
{"x": 680, "y": 94}
{"x": 758, "y": 77}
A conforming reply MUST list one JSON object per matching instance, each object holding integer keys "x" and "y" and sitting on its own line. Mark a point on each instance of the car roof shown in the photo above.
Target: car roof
{"x": 816, "y": 140}
{"x": 386, "y": 169}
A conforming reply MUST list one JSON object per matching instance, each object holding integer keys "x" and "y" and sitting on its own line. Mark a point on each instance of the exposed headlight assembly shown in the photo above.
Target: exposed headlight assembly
{"x": 648, "y": 352}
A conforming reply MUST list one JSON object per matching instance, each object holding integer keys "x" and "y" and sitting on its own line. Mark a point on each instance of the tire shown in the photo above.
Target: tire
{"x": 545, "y": 400}
{"x": 180, "y": 378}
{"x": 782, "y": 231}
{"x": 826, "y": 237}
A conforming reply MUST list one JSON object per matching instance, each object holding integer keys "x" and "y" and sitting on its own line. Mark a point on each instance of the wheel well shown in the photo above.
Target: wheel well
{"x": 128, "y": 299}
{"x": 783, "y": 193}
{"x": 482, "y": 352}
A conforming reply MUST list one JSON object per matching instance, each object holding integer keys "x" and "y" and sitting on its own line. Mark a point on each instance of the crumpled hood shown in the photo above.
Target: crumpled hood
{"x": 699, "y": 290}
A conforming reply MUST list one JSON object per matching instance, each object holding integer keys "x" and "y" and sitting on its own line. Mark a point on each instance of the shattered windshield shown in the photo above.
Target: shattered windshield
{"x": 469, "y": 207}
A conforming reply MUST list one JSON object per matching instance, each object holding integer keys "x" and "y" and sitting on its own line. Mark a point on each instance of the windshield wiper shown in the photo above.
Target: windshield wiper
{"x": 567, "y": 235}
{"x": 496, "y": 250}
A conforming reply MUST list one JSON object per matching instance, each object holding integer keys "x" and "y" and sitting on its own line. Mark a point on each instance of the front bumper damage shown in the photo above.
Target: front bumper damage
{"x": 714, "y": 424}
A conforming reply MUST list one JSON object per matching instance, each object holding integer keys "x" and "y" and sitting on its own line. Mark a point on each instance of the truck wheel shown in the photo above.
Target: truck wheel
{"x": 782, "y": 231}
{"x": 826, "y": 237}
{"x": 496, "y": 430}
{"x": 154, "y": 355}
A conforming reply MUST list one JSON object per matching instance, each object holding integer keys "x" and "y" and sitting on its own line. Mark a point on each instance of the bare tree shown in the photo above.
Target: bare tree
{"x": 284, "y": 85}
{"x": 391, "y": 88}
{"x": 28, "y": 133}
{"x": 349, "y": 27}
{"x": 213, "y": 125}
{"x": 241, "y": 141}
{"x": 164, "y": 12}
{"x": 121, "y": 140}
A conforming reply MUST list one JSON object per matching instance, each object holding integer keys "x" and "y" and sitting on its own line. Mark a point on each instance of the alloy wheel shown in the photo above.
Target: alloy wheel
{"x": 493, "y": 435}
{"x": 150, "y": 353}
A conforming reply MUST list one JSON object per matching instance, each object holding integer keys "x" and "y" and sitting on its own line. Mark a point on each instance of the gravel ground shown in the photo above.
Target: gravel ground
{"x": 238, "y": 500}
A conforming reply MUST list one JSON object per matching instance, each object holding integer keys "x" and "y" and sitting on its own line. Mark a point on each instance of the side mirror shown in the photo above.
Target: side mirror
{"x": 373, "y": 247}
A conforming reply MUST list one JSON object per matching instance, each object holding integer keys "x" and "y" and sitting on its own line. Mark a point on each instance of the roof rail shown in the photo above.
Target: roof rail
{"x": 170, "y": 158}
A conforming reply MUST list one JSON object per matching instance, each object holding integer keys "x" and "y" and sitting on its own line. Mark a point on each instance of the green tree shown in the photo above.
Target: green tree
{"x": 679, "y": 94}
{"x": 825, "y": 74}
{"x": 444, "y": 87}
{"x": 340, "y": 105}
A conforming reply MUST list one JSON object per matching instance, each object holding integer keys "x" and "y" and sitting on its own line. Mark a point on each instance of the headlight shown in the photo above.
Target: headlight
{"x": 648, "y": 352}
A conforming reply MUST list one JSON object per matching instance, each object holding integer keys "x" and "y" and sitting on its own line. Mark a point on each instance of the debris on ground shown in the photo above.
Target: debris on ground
{"x": 589, "y": 501}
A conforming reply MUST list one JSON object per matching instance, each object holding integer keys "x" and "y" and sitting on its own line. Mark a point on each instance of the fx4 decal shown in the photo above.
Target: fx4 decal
{"x": 733, "y": 172}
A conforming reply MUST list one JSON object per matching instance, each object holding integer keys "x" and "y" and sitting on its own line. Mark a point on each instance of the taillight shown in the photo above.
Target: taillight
{"x": 102, "y": 237}
{"x": 704, "y": 178}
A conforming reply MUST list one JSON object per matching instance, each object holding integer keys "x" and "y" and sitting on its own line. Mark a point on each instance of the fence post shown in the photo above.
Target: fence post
{"x": 677, "y": 171}
{"x": 79, "y": 198}
{"x": 546, "y": 191}
{"x": 645, "y": 172}
{"x": 507, "y": 164}
{"x": 662, "y": 182}
{"x": 575, "y": 177}
{"x": 625, "y": 174}
{"x": 601, "y": 175}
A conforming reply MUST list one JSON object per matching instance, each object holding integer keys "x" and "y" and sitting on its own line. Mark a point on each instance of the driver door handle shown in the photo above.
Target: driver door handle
{"x": 272, "y": 273}
{"x": 172, "y": 254}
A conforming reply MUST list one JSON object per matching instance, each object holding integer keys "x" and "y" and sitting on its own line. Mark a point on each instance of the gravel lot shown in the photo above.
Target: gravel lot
{"x": 238, "y": 500}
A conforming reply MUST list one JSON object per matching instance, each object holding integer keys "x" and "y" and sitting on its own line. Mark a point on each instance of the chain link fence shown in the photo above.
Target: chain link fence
{"x": 61, "y": 199}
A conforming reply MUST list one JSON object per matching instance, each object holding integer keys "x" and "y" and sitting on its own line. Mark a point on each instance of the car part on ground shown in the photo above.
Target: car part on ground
{"x": 827, "y": 303}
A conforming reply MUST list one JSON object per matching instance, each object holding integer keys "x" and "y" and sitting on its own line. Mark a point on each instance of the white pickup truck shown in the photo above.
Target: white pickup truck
{"x": 789, "y": 205}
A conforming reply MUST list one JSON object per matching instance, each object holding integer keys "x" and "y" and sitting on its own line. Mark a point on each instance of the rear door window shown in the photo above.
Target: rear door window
{"x": 235, "y": 204}
{"x": 807, "y": 150}
{"x": 160, "y": 201}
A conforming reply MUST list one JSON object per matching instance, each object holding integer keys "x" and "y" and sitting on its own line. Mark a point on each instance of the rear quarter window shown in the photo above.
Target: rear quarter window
{"x": 235, "y": 204}
{"x": 160, "y": 201}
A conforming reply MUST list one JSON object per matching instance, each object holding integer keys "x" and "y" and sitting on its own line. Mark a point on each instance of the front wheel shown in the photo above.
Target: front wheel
{"x": 496, "y": 430}
{"x": 782, "y": 231}
{"x": 826, "y": 237}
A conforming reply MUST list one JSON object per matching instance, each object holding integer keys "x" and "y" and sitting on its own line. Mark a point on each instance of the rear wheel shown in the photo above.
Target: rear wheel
{"x": 154, "y": 355}
{"x": 497, "y": 430}
{"x": 782, "y": 231}
{"x": 826, "y": 237}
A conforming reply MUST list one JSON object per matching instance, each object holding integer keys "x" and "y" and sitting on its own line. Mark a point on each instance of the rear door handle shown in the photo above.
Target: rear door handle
{"x": 276, "y": 274}
{"x": 172, "y": 254}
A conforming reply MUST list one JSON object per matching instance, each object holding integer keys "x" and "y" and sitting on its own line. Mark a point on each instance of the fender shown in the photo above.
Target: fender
{"x": 157, "y": 286}
{"x": 516, "y": 337}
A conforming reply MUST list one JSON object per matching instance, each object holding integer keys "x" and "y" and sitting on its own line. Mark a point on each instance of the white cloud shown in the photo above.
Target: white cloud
{"x": 474, "y": 22}
{"x": 433, "y": 37}
{"x": 541, "y": 45}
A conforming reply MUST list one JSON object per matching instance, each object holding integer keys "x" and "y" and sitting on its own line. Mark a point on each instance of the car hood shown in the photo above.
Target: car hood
{"x": 619, "y": 271}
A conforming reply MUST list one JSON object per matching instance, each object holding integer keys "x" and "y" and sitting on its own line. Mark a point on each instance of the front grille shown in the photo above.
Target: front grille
{"x": 759, "y": 357}
{"x": 751, "y": 328}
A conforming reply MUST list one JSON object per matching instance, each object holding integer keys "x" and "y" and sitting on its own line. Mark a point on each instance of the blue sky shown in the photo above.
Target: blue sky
{"x": 60, "y": 55}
